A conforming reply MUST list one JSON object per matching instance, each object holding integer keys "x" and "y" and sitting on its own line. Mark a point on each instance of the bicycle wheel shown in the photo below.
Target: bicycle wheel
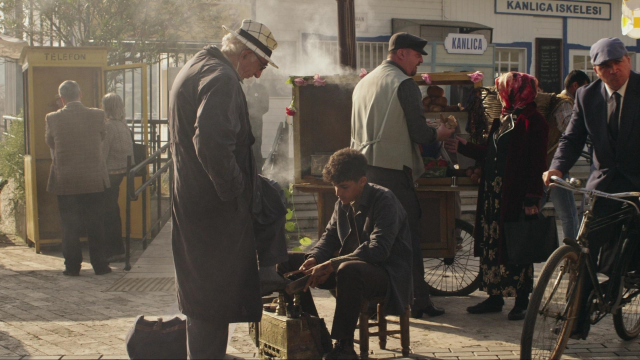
{"x": 627, "y": 319}
{"x": 457, "y": 276}
{"x": 552, "y": 308}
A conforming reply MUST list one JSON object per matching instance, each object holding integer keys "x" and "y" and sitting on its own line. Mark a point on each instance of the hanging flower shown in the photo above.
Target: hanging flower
{"x": 363, "y": 73}
{"x": 426, "y": 78}
{"x": 291, "y": 110}
{"x": 318, "y": 80}
{"x": 299, "y": 82}
{"x": 476, "y": 77}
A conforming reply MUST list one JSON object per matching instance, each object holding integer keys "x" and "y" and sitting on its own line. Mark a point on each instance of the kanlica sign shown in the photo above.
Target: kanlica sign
{"x": 573, "y": 9}
{"x": 471, "y": 44}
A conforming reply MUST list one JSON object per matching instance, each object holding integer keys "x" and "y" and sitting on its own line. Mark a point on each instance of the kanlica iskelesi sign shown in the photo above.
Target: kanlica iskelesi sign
{"x": 573, "y": 9}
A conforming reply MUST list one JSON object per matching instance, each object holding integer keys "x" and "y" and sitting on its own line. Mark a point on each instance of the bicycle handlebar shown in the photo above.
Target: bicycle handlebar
{"x": 556, "y": 181}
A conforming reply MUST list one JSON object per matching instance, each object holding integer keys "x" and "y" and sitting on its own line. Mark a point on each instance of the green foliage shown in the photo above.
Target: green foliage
{"x": 292, "y": 223}
{"x": 12, "y": 160}
{"x": 134, "y": 30}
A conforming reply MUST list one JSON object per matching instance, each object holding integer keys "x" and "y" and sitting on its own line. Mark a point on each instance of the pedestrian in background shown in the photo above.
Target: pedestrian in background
{"x": 563, "y": 200}
{"x": 78, "y": 177}
{"x": 117, "y": 146}
{"x": 514, "y": 158}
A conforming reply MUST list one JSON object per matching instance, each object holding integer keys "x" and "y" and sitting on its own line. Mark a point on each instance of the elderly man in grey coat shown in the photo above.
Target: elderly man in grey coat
{"x": 215, "y": 190}
{"x": 78, "y": 177}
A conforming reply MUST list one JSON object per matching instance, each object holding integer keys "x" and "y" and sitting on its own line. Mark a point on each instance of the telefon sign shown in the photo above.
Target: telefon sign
{"x": 470, "y": 44}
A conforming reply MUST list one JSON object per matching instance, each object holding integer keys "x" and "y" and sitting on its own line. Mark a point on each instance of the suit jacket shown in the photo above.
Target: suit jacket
{"x": 385, "y": 241}
{"x": 75, "y": 134}
{"x": 617, "y": 168}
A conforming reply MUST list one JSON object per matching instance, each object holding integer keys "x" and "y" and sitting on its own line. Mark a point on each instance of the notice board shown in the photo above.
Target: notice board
{"x": 549, "y": 65}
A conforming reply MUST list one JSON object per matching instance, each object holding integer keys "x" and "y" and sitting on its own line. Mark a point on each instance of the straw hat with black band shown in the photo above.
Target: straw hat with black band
{"x": 257, "y": 37}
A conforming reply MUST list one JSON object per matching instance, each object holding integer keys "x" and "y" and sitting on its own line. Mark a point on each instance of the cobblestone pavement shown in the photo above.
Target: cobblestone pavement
{"x": 45, "y": 315}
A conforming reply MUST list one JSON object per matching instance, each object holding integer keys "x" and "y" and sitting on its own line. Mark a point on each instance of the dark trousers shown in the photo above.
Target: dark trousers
{"x": 401, "y": 185}
{"x": 76, "y": 211}
{"x": 206, "y": 340}
{"x": 353, "y": 281}
{"x": 112, "y": 221}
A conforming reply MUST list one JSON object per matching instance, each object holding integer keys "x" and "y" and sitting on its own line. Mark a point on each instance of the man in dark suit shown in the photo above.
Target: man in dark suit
{"x": 608, "y": 112}
{"x": 78, "y": 177}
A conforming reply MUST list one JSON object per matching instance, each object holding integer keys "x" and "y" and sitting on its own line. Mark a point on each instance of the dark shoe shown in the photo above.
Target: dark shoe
{"x": 517, "y": 313}
{"x": 491, "y": 305}
{"x": 271, "y": 281}
{"x": 102, "y": 271}
{"x": 343, "y": 349}
{"x": 425, "y": 306}
{"x": 68, "y": 272}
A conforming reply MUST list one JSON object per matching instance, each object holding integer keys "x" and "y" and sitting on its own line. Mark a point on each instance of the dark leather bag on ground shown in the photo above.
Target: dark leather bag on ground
{"x": 530, "y": 240}
{"x": 157, "y": 339}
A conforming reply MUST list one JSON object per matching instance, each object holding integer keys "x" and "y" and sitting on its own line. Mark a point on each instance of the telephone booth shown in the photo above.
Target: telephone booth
{"x": 44, "y": 69}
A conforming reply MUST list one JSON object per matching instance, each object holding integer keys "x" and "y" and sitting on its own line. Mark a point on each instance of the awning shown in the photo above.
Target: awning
{"x": 11, "y": 47}
{"x": 462, "y": 27}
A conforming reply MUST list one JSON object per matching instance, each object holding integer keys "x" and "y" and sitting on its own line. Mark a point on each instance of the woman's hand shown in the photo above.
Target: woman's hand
{"x": 531, "y": 210}
{"x": 451, "y": 145}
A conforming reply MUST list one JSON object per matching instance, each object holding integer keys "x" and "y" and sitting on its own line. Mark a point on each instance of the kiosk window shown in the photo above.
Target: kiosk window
{"x": 508, "y": 59}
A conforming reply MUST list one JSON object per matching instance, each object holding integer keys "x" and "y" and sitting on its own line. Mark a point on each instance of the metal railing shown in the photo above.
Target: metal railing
{"x": 156, "y": 160}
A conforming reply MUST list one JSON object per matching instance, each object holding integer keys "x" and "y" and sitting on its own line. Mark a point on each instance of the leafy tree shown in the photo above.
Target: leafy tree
{"x": 134, "y": 30}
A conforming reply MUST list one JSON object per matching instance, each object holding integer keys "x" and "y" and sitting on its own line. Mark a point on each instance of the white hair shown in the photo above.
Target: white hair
{"x": 69, "y": 90}
{"x": 232, "y": 46}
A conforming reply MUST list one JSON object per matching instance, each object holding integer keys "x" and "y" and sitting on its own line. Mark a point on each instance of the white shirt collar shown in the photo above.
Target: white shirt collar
{"x": 620, "y": 91}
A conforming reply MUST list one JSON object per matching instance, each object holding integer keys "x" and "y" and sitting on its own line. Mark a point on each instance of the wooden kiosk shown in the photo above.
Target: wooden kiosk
{"x": 44, "y": 69}
{"x": 322, "y": 125}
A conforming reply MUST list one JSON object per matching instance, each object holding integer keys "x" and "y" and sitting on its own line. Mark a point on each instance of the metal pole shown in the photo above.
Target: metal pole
{"x": 144, "y": 209}
{"x": 127, "y": 241}
{"x": 159, "y": 189}
{"x": 347, "y": 33}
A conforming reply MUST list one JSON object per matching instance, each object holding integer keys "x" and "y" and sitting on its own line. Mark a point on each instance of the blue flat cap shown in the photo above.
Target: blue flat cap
{"x": 607, "y": 49}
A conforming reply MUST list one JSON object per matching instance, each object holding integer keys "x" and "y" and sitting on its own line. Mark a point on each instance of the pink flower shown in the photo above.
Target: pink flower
{"x": 426, "y": 78}
{"x": 299, "y": 82}
{"x": 291, "y": 110}
{"x": 363, "y": 73}
{"x": 318, "y": 80}
{"x": 476, "y": 77}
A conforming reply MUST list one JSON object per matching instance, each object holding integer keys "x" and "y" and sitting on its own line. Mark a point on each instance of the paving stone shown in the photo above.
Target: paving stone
{"x": 82, "y": 357}
{"x": 40, "y": 357}
{"x": 491, "y": 353}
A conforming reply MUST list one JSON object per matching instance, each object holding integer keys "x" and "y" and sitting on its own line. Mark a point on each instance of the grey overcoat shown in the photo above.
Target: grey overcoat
{"x": 213, "y": 242}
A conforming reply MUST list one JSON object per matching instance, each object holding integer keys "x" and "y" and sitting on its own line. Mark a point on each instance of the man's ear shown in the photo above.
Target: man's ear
{"x": 363, "y": 181}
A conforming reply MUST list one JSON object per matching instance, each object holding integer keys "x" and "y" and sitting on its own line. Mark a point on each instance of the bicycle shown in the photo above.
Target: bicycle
{"x": 556, "y": 299}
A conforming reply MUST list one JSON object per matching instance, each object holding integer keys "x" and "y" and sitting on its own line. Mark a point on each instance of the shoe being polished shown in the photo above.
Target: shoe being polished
{"x": 343, "y": 349}
{"x": 271, "y": 281}
{"x": 493, "y": 304}
{"x": 425, "y": 306}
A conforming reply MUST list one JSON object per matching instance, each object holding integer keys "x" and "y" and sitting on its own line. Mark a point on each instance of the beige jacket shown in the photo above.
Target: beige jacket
{"x": 75, "y": 134}
{"x": 378, "y": 124}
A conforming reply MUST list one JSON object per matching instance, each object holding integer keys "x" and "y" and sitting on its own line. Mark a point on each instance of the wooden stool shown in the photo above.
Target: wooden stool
{"x": 382, "y": 328}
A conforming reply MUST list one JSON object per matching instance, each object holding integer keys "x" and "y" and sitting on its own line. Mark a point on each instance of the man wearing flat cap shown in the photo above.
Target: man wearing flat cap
{"x": 608, "y": 111}
{"x": 216, "y": 191}
{"x": 387, "y": 125}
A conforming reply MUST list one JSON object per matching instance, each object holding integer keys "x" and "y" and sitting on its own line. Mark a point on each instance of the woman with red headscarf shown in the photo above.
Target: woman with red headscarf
{"x": 514, "y": 159}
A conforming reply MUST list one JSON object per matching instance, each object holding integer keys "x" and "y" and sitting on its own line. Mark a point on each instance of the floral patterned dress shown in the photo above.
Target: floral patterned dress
{"x": 498, "y": 279}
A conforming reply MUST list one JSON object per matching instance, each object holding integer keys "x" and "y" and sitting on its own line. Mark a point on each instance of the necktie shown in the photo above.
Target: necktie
{"x": 613, "y": 121}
